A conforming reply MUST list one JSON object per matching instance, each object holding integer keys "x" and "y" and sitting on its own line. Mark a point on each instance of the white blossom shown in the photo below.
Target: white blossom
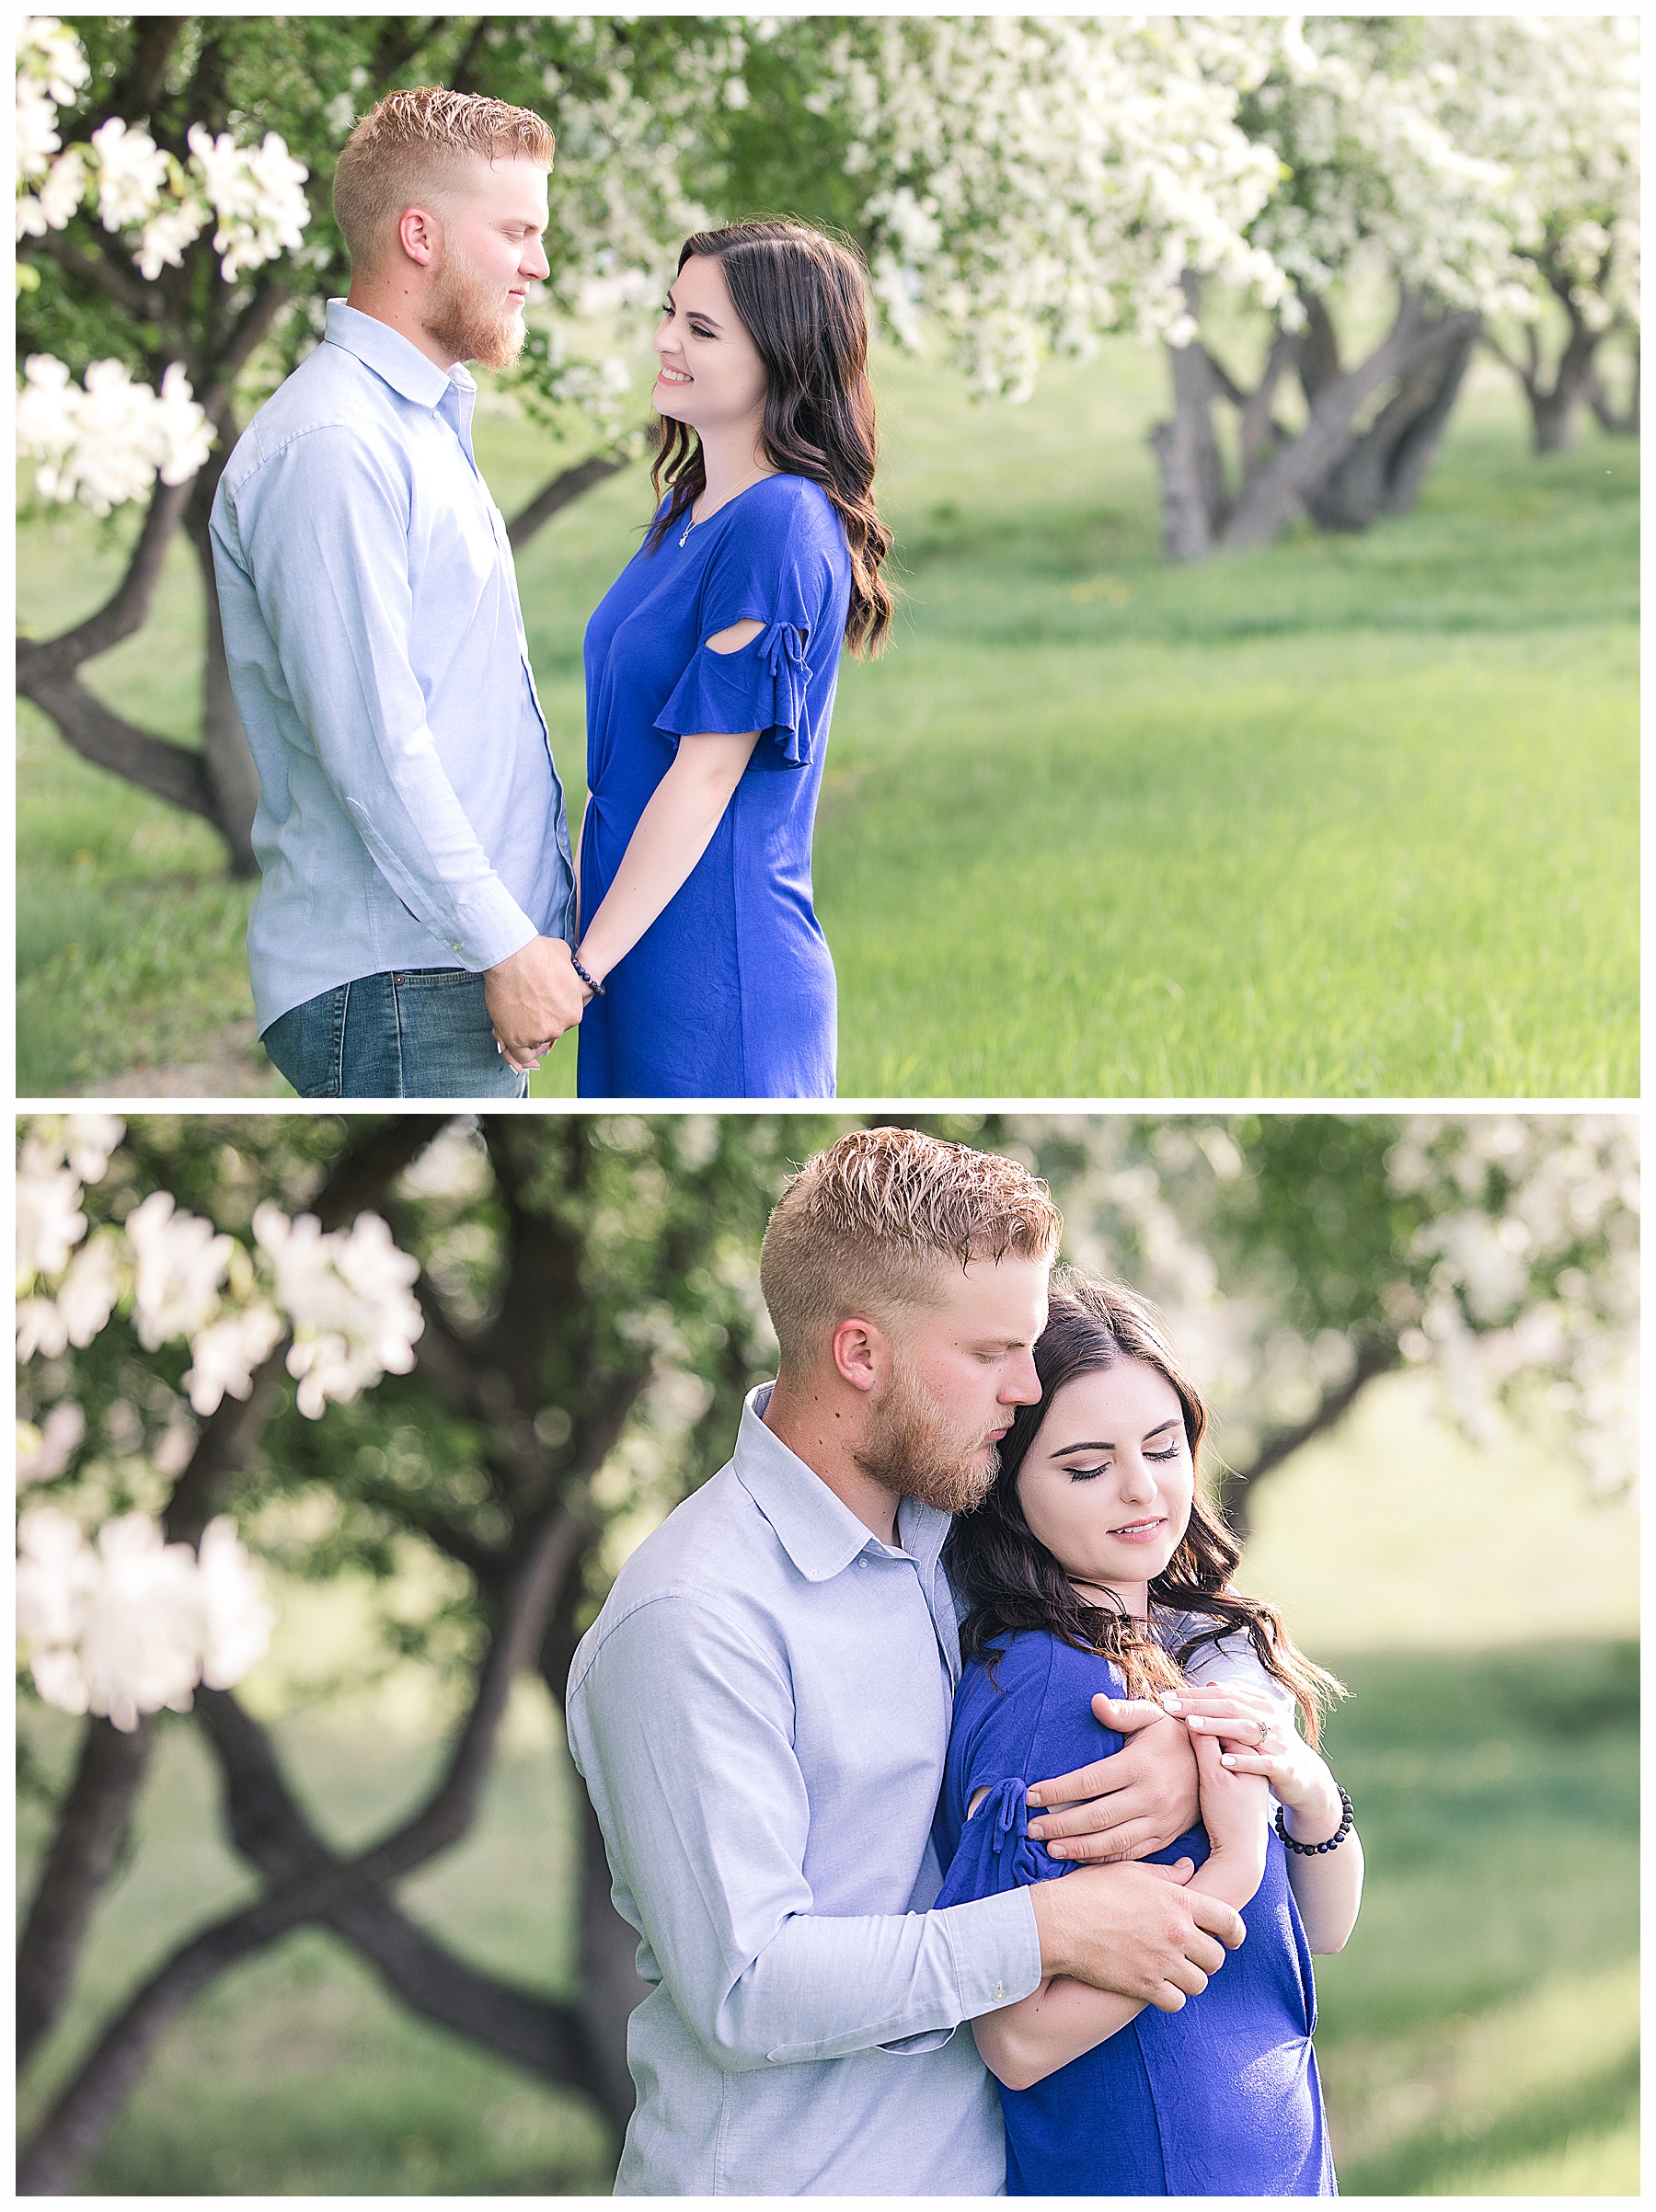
{"x": 106, "y": 444}
{"x": 257, "y": 193}
{"x": 44, "y": 1451}
{"x": 131, "y": 1623}
{"x": 50, "y": 1222}
{"x": 181, "y": 1262}
{"x": 166, "y": 234}
{"x": 227, "y": 1353}
{"x": 133, "y": 174}
{"x": 87, "y": 1293}
{"x": 234, "y": 1622}
{"x": 51, "y": 55}
{"x": 354, "y": 1316}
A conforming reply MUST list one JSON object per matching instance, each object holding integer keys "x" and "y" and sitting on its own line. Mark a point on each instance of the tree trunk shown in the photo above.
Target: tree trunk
{"x": 48, "y": 673}
{"x": 267, "y": 1827}
{"x": 1299, "y": 473}
{"x": 1622, "y": 422}
{"x": 78, "y": 2123}
{"x": 85, "y": 1849}
{"x": 610, "y": 1987}
{"x": 1187, "y": 450}
{"x": 232, "y": 779}
{"x": 1384, "y": 471}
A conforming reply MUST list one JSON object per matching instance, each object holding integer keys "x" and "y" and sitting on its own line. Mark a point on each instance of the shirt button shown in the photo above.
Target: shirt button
{"x": 999, "y": 1992}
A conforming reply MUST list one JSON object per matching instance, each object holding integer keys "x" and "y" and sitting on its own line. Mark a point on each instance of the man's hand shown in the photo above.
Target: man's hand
{"x": 1139, "y": 1801}
{"x": 1135, "y": 1930}
{"x": 532, "y": 997}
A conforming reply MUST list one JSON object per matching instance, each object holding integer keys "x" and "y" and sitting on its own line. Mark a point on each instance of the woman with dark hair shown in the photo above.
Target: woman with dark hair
{"x": 1094, "y": 1566}
{"x": 711, "y": 673}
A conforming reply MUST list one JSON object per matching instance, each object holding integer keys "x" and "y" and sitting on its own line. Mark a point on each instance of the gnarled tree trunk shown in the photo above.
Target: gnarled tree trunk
{"x": 1342, "y": 476}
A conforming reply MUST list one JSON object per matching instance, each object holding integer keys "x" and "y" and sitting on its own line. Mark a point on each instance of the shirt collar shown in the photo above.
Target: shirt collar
{"x": 404, "y": 367}
{"x": 820, "y": 1533}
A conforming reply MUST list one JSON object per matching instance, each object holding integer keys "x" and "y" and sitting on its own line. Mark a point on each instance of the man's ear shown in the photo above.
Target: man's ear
{"x": 861, "y": 1353}
{"x": 419, "y": 234}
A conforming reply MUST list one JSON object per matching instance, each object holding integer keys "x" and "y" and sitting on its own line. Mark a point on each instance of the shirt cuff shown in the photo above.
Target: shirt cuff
{"x": 996, "y": 1950}
{"x": 491, "y": 929}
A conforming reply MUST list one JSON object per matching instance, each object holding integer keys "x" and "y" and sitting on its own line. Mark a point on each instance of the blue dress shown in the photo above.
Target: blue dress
{"x": 729, "y": 993}
{"x": 1220, "y": 2099}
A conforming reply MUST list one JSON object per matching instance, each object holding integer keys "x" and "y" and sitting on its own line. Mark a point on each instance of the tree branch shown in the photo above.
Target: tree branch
{"x": 268, "y": 1827}
{"x": 127, "y": 608}
{"x": 81, "y": 1855}
{"x": 121, "y": 286}
{"x": 77, "y": 2122}
{"x": 1374, "y": 1360}
{"x": 566, "y": 486}
{"x": 132, "y": 96}
{"x": 85, "y": 1849}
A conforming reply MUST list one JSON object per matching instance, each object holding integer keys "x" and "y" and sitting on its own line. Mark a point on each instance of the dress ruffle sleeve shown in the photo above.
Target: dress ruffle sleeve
{"x": 761, "y": 686}
{"x": 996, "y": 1851}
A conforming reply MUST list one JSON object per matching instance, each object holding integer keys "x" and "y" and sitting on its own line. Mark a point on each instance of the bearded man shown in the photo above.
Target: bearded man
{"x": 417, "y": 894}
{"x": 760, "y": 1713}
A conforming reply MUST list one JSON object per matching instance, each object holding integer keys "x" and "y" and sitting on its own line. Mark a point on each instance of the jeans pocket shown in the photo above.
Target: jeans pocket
{"x": 305, "y": 1044}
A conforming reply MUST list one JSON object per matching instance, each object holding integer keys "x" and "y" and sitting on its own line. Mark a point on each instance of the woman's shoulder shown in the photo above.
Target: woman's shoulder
{"x": 793, "y": 509}
{"x": 1033, "y": 1658}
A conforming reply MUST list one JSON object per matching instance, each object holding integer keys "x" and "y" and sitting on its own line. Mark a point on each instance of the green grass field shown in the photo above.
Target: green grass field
{"x": 1346, "y": 818}
{"x": 1478, "y": 2034}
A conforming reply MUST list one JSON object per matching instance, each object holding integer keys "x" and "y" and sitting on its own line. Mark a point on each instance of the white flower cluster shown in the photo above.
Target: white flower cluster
{"x": 107, "y": 443}
{"x": 1563, "y": 1184}
{"x": 127, "y": 1623}
{"x": 130, "y": 1623}
{"x": 255, "y": 193}
{"x": 354, "y": 1316}
{"x": 1512, "y": 1198}
{"x": 345, "y": 1295}
{"x": 1556, "y": 100}
{"x": 51, "y": 68}
{"x": 1036, "y": 181}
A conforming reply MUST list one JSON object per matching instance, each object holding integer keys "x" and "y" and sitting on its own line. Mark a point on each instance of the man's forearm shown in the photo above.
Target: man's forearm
{"x": 824, "y": 1987}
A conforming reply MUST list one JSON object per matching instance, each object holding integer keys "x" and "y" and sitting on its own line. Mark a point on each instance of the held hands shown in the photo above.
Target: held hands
{"x": 532, "y": 997}
{"x": 1254, "y": 1738}
{"x": 1137, "y": 1931}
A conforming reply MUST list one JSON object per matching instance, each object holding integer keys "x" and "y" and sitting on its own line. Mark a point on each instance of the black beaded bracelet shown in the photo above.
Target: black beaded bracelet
{"x": 1310, "y": 1851}
{"x": 592, "y": 983}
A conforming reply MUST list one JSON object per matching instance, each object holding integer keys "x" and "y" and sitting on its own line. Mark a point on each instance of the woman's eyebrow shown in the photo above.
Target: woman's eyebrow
{"x": 1064, "y": 1450}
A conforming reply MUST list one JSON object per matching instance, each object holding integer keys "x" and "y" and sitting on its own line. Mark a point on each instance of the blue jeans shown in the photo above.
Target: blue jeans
{"x": 417, "y": 1033}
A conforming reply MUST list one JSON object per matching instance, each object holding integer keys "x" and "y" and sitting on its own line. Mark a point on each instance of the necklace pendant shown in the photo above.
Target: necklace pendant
{"x": 689, "y": 526}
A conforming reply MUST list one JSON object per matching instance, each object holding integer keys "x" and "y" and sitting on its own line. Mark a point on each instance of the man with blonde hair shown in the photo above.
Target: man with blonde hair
{"x": 760, "y": 1713}
{"x": 418, "y": 893}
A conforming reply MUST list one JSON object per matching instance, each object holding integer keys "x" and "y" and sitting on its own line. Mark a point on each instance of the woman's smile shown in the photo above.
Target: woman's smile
{"x": 1139, "y": 1531}
{"x": 675, "y": 376}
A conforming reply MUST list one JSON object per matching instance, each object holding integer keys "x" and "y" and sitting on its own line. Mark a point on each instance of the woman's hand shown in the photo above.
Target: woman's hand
{"x": 1235, "y": 1813}
{"x": 1256, "y": 1738}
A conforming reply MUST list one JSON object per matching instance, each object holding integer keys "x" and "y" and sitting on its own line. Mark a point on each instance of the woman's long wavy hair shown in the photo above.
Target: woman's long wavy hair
{"x": 803, "y": 301}
{"x": 1012, "y": 1583}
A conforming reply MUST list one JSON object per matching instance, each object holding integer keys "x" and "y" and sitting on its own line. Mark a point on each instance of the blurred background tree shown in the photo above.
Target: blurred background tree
{"x": 1025, "y": 185}
{"x": 588, "y": 1323}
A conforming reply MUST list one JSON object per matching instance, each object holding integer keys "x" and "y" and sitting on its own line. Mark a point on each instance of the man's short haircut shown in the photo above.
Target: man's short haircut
{"x": 868, "y": 1227}
{"x": 413, "y": 143}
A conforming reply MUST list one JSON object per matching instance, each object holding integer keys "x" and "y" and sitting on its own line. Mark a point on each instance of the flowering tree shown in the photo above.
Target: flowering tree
{"x": 177, "y": 250}
{"x": 1301, "y": 1257}
{"x": 1037, "y": 181}
{"x": 588, "y": 1290}
{"x": 1557, "y": 99}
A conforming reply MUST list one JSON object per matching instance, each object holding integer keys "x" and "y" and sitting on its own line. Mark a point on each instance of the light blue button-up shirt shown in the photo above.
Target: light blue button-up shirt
{"x": 409, "y": 813}
{"x": 760, "y": 1713}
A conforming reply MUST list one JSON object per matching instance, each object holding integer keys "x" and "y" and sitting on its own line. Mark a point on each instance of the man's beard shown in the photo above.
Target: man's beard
{"x": 913, "y": 1451}
{"x": 466, "y": 316}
